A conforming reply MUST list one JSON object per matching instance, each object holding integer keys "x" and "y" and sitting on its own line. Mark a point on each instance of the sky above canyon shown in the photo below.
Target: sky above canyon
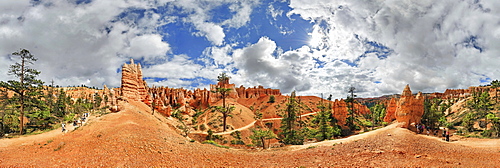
{"x": 310, "y": 46}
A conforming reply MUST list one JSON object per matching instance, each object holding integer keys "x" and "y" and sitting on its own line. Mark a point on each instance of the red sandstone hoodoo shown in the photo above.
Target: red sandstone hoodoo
{"x": 408, "y": 109}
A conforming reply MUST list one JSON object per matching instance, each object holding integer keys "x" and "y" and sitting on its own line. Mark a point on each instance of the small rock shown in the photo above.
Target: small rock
{"x": 388, "y": 134}
{"x": 418, "y": 156}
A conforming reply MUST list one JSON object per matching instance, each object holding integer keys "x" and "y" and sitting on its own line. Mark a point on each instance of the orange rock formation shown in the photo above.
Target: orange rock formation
{"x": 133, "y": 86}
{"x": 390, "y": 111}
{"x": 256, "y": 92}
{"x": 409, "y": 108}
{"x": 340, "y": 110}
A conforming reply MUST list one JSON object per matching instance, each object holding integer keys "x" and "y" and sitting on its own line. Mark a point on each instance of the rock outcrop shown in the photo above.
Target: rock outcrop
{"x": 409, "y": 108}
{"x": 256, "y": 92}
{"x": 165, "y": 99}
{"x": 390, "y": 110}
{"x": 340, "y": 110}
{"x": 133, "y": 87}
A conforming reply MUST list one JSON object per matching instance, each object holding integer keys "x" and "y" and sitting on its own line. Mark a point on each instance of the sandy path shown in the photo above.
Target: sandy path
{"x": 40, "y": 138}
{"x": 345, "y": 140}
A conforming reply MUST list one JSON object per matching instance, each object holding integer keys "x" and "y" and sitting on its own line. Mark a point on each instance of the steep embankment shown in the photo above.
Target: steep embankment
{"x": 136, "y": 138}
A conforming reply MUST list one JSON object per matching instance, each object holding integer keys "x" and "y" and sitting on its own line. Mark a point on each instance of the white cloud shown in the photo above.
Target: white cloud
{"x": 178, "y": 66}
{"x": 147, "y": 46}
{"x": 436, "y": 44}
{"x": 219, "y": 55}
{"x": 78, "y": 44}
{"x": 258, "y": 66}
{"x": 201, "y": 16}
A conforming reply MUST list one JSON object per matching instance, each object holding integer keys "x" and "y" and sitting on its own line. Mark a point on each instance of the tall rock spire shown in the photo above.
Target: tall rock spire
{"x": 406, "y": 91}
{"x": 133, "y": 86}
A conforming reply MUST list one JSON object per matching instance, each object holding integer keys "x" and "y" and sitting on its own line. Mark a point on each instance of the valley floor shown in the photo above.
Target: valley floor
{"x": 135, "y": 138}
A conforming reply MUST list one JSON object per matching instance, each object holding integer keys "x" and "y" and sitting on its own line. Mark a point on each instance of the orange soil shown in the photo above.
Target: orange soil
{"x": 135, "y": 138}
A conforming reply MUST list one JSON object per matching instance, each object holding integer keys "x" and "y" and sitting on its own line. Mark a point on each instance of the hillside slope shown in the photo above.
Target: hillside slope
{"x": 136, "y": 138}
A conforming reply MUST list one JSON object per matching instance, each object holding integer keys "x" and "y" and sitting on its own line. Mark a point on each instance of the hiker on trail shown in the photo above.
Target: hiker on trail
{"x": 444, "y": 132}
{"x": 417, "y": 126}
{"x": 63, "y": 126}
{"x": 420, "y": 128}
{"x": 75, "y": 124}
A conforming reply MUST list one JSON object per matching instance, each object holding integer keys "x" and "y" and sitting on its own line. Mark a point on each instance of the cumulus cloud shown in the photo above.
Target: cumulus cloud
{"x": 376, "y": 46}
{"x": 258, "y": 66}
{"x": 146, "y": 46}
{"x": 435, "y": 44}
{"x": 201, "y": 16}
{"x": 79, "y": 43}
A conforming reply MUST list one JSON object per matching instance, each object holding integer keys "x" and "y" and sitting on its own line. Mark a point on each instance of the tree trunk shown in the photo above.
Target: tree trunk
{"x": 496, "y": 95}
{"x": 22, "y": 97}
{"x": 224, "y": 124}
{"x": 263, "y": 142}
{"x": 224, "y": 114}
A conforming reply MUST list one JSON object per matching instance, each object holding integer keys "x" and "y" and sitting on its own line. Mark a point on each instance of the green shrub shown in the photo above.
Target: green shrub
{"x": 214, "y": 143}
{"x": 203, "y": 127}
{"x": 487, "y": 133}
{"x": 311, "y": 147}
{"x": 237, "y": 142}
{"x": 69, "y": 117}
{"x": 272, "y": 99}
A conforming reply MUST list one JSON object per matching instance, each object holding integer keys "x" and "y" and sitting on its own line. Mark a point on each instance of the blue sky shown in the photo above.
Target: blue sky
{"x": 311, "y": 46}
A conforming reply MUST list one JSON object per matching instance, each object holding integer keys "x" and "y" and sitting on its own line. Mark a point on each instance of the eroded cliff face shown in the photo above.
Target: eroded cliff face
{"x": 390, "y": 111}
{"x": 410, "y": 109}
{"x": 407, "y": 109}
{"x": 133, "y": 87}
{"x": 256, "y": 92}
{"x": 340, "y": 110}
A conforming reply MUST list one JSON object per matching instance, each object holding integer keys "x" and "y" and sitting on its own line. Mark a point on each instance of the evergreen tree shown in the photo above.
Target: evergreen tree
{"x": 225, "y": 110}
{"x": 272, "y": 99}
{"x": 378, "y": 113}
{"x": 62, "y": 104}
{"x": 350, "y": 104}
{"x": 495, "y": 85}
{"x": 290, "y": 125}
{"x": 326, "y": 129}
{"x": 27, "y": 88}
{"x": 259, "y": 137}
{"x": 468, "y": 122}
{"x": 432, "y": 114}
{"x": 495, "y": 124}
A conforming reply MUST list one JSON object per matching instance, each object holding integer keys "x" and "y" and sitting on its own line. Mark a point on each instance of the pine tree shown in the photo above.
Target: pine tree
{"x": 259, "y": 136}
{"x": 225, "y": 110}
{"x": 27, "y": 88}
{"x": 289, "y": 124}
{"x": 495, "y": 85}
